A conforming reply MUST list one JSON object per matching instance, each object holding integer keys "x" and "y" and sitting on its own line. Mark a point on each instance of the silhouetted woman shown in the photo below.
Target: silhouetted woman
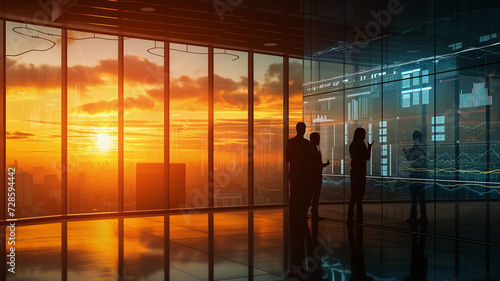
{"x": 359, "y": 155}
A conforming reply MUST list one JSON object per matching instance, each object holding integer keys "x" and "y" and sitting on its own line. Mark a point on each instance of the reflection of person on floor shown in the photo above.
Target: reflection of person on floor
{"x": 359, "y": 155}
{"x": 298, "y": 154}
{"x": 417, "y": 158}
{"x": 358, "y": 268}
{"x": 315, "y": 270}
{"x": 317, "y": 166}
{"x": 418, "y": 267}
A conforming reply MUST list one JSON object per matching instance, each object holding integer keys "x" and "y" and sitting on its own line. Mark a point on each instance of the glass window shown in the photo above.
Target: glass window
{"x": 467, "y": 34}
{"x": 295, "y": 105}
{"x": 33, "y": 126}
{"x": 268, "y": 129}
{"x": 143, "y": 126}
{"x": 431, "y": 70}
{"x": 230, "y": 128}
{"x": 189, "y": 124}
{"x": 92, "y": 122}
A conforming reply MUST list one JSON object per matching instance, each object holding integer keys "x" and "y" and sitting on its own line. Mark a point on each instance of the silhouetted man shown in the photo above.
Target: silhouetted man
{"x": 417, "y": 158}
{"x": 298, "y": 154}
{"x": 317, "y": 166}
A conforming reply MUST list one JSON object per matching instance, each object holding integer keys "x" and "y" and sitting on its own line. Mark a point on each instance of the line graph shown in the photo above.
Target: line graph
{"x": 391, "y": 184}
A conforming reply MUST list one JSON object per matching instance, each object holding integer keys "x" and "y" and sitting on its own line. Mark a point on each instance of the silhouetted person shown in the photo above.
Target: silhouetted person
{"x": 417, "y": 158}
{"x": 358, "y": 267}
{"x": 359, "y": 155}
{"x": 317, "y": 166}
{"x": 298, "y": 154}
{"x": 418, "y": 266}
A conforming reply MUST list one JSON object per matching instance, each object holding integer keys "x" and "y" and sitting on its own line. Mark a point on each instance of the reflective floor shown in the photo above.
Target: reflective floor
{"x": 248, "y": 245}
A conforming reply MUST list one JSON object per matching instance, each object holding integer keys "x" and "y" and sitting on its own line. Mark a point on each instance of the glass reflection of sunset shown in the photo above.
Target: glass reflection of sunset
{"x": 34, "y": 122}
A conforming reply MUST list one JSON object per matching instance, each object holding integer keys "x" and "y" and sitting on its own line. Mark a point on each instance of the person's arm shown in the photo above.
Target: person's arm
{"x": 323, "y": 164}
{"x": 369, "y": 150}
{"x": 407, "y": 156}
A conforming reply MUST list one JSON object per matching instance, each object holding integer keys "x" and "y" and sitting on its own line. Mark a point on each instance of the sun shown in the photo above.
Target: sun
{"x": 103, "y": 141}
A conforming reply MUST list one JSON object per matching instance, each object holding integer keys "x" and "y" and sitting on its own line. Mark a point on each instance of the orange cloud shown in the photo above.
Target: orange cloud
{"x": 18, "y": 135}
{"x": 156, "y": 94}
{"x": 139, "y": 70}
{"x": 24, "y": 75}
{"x": 141, "y": 102}
{"x": 186, "y": 92}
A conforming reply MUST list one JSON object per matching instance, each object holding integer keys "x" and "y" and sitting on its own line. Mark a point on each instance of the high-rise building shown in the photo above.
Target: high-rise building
{"x": 150, "y": 186}
{"x": 38, "y": 173}
{"x": 24, "y": 189}
{"x": 74, "y": 203}
{"x": 50, "y": 182}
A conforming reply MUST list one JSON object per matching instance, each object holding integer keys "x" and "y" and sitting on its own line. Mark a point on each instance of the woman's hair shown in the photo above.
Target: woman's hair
{"x": 359, "y": 135}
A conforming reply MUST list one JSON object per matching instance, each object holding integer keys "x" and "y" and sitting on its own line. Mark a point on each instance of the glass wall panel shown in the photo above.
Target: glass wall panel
{"x": 33, "y": 126}
{"x": 474, "y": 165}
{"x": 363, "y": 43}
{"x": 189, "y": 123}
{"x": 408, "y": 38}
{"x": 324, "y": 47}
{"x": 325, "y": 114}
{"x": 466, "y": 34}
{"x": 143, "y": 127}
{"x": 295, "y": 104}
{"x": 230, "y": 128}
{"x": 268, "y": 129}
{"x": 438, "y": 64}
{"x": 92, "y": 122}
{"x": 363, "y": 110}
{"x": 408, "y": 134}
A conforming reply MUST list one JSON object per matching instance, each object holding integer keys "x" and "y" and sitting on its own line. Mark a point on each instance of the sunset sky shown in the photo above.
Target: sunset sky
{"x": 34, "y": 104}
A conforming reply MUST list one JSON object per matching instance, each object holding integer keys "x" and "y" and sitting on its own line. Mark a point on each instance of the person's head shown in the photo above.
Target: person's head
{"x": 417, "y": 135}
{"x": 359, "y": 134}
{"x": 301, "y": 128}
{"x": 314, "y": 138}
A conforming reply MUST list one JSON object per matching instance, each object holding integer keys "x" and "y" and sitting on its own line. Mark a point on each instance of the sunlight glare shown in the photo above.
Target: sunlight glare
{"x": 103, "y": 141}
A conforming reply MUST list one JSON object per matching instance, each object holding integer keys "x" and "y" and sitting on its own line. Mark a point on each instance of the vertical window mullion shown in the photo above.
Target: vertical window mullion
{"x": 250, "y": 129}
{"x": 166, "y": 158}
{"x": 210, "y": 127}
{"x": 166, "y": 125}
{"x": 286, "y": 103}
{"x": 3, "y": 122}
{"x": 64, "y": 122}
{"x": 3, "y": 139}
{"x": 120, "y": 123}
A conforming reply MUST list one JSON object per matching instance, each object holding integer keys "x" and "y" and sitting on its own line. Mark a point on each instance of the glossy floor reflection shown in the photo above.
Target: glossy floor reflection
{"x": 244, "y": 245}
